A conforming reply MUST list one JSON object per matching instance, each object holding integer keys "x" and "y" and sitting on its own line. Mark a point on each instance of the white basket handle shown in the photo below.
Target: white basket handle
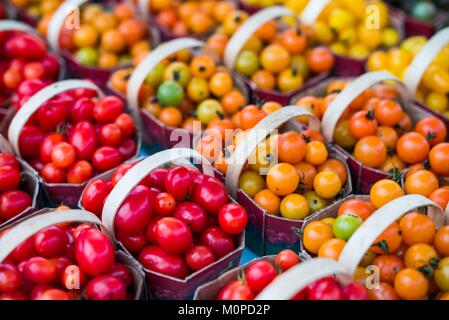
{"x": 312, "y": 11}
{"x": 295, "y": 279}
{"x": 150, "y": 62}
{"x": 58, "y": 19}
{"x": 424, "y": 58}
{"x": 144, "y": 7}
{"x": 35, "y": 102}
{"x": 372, "y": 227}
{"x": 134, "y": 175}
{"x": 246, "y": 30}
{"x": 13, "y": 25}
{"x": 257, "y": 135}
{"x": 23, "y": 230}
{"x": 347, "y": 95}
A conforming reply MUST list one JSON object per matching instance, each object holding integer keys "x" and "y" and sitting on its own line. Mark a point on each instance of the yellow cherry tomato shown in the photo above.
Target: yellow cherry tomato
{"x": 294, "y": 206}
{"x": 327, "y": 184}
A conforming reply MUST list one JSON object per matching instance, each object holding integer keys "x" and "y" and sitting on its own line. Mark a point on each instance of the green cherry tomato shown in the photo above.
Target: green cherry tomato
{"x": 209, "y": 110}
{"x": 170, "y": 93}
{"x": 156, "y": 76}
{"x": 179, "y": 72}
{"x": 316, "y": 203}
{"x": 247, "y": 63}
{"x": 424, "y": 10}
{"x": 345, "y": 225}
{"x": 87, "y": 56}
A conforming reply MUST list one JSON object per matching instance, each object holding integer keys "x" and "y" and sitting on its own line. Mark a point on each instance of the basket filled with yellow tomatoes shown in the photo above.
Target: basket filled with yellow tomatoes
{"x": 179, "y": 90}
{"x": 32, "y": 11}
{"x": 282, "y": 174}
{"x": 423, "y": 65}
{"x": 192, "y": 18}
{"x": 405, "y": 242}
{"x": 97, "y": 39}
{"x": 276, "y": 58}
{"x": 284, "y": 277}
{"x": 424, "y": 17}
{"x": 376, "y": 124}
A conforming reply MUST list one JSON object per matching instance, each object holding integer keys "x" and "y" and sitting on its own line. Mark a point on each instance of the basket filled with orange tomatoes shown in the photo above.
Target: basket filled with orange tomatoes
{"x": 80, "y": 264}
{"x": 276, "y": 58}
{"x": 192, "y": 18}
{"x": 282, "y": 173}
{"x": 179, "y": 90}
{"x": 32, "y": 11}
{"x": 178, "y": 222}
{"x": 375, "y": 123}
{"x": 423, "y": 65}
{"x": 70, "y": 131}
{"x": 97, "y": 38}
{"x": 284, "y": 277}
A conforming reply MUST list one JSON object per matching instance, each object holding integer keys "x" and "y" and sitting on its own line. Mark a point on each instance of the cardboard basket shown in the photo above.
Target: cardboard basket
{"x": 57, "y": 193}
{"x": 161, "y": 286}
{"x": 268, "y": 234}
{"x": 24, "y": 228}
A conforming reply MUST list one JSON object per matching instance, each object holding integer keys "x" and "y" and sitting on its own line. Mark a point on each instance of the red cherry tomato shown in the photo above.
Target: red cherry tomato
{"x": 39, "y": 270}
{"x": 236, "y": 290}
{"x": 7, "y": 159}
{"x": 173, "y": 235}
{"x": 127, "y": 149}
{"x": 325, "y": 289}
{"x": 216, "y": 239}
{"x": 179, "y": 183}
{"x": 199, "y": 257}
{"x": 13, "y": 203}
{"x": 286, "y": 259}
{"x": 134, "y": 243}
{"x": 120, "y": 172}
{"x": 193, "y": 215}
{"x": 164, "y": 204}
{"x": 54, "y": 112}
{"x": 82, "y": 110}
{"x": 259, "y": 274}
{"x": 121, "y": 272}
{"x": 94, "y": 252}
{"x": 106, "y": 288}
{"x": 9, "y": 178}
{"x": 54, "y": 294}
{"x": 106, "y": 158}
{"x": 150, "y": 233}
{"x": 110, "y": 135}
{"x": 63, "y": 155}
{"x": 51, "y": 242}
{"x": 126, "y": 125}
{"x": 232, "y": 218}
{"x": 108, "y": 109}
{"x": 94, "y": 195}
{"x": 355, "y": 291}
{"x": 24, "y": 251}
{"x": 10, "y": 278}
{"x": 52, "y": 174}
{"x": 157, "y": 178}
{"x": 210, "y": 194}
{"x": 155, "y": 259}
{"x": 48, "y": 144}
{"x": 30, "y": 140}
{"x": 80, "y": 172}
{"x": 83, "y": 138}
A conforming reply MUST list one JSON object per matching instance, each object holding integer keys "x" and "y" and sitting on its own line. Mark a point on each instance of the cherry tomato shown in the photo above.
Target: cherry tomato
{"x": 412, "y": 148}
{"x": 51, "y": 242}
{"x": 433, "y": 129}
{"x": 439, "y": 159}
{"x": 179, "y": 183}
{"x": 134, "y": 243}
{"x": 94, "y": 195}
{"x": 220, "y": 243}
{"x": 106, "y": 158}
{"x": 325, "y": 289}
{"x": 63, "y": 155}
{"x": 54, "y": 294}
{"x": 155, "y": 259}
{"x": 52, "y": 174}
{"x": 357, "y": 207}
{"x": 389, "y": 266}
{"x": 259, "y": 274}
{"x": 199, "y": 257}
{"x": 10, "y": 278}
{"x": 173, "y": 235}
{"x": 286, "y": 259}
{"x": 108, "y": 109}
{"x": 48, "y": 144}
{"x": 39, "y": 270}
{"x": 84, "y": 139}
{"x": 362, "y": 124}
{"x": 232, "y": 218}
{"x": 411, "y": 284}
{"x": 192, "y": 215}
{"x": 211, "y": 195}
{"x": 106, "y": 287}
{"x": 236, "y": 290}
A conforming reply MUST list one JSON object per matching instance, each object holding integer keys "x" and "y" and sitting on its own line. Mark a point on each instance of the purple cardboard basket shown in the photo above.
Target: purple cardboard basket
{"x": 137, "y": 273}
{"x": 268, "y": 234}
{"x": 163, "y": 287}
{"x": 415, "y": 27}
{"x": 364, "y": 177}
{"x": 248, "y": 8}
{"x": 210, "y": 290}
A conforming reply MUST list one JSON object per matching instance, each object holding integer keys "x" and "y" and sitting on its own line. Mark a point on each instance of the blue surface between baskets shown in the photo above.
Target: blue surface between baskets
{"x": 248, "y": 255}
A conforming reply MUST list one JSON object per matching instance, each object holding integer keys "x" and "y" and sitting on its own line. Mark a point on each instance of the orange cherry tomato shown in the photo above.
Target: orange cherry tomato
{"x": 417, "y": 228}
{"x": 311, "y": 103}
{"x": 389, "y": 241}
{"x": 331, "y": 249}
{"x": 370, "y": 151}
{"x": 384, "y": 291}
{"x": 422, "y": 182}
{"x": 267, "y": 32}
{"x": 388, "y": 136}
{"x": 388, "y": 112}
{"x": 420, "y": 255}
{"x": 412, "y": 148}
{"x": 293, "y": 41}
{"x": 441, "y": 197}
{"x": 315, "y": 234}
{"x": 362, "y": 124}
{"x": 336, "y": 166}
{"x": 316, "y": 153}
{"x": 270, "y": 107}
{"x": 384, "y": 191}
{"x": 320, "y": 59}
{"x": 441, "y": 241}
{"x": 250, "y": 116}
{"x": 202, "y": 66}
{"x": 264, "y": 79}
{"x": 307, "y": 174}
{"x": 233, "y": 101}
{"x": 291, "y": 147}
{"x": 439, "y": 159}
{"x": 268, "y": 201}
{"x": 282, "y": 179}
{"x": 433, "y": 129}
{"x": 171, "y": 116}
{"x": 389, "y": 266}
{"x": 312, "y": 135}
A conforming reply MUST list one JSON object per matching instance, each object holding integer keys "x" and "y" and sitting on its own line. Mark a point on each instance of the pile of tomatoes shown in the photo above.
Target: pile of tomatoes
{"x": 434, "y": 85}
{"x": 379, "y": 132}
{"x": 65, "y": 262}
{"x": 185, "y": 88}
{"x": 24, "y": 58}
{"x": 107, "y": 38}
{"x": 37, "y": 9}
{"x": 13, "y": 200}
{"x": 195, "y": 17}
{"x": 75, "y": 135}
{"x": 176, "y": 221}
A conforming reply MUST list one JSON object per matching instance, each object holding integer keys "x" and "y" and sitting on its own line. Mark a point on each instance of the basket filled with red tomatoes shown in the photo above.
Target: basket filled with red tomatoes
{"x": 193, "y": 18}
{"x": 284, "y": 277}
{"x": 68, "y": 132}
{"x": 283, "y": 174}
{"x": 406, "y": 241}
{"x": 26, "y": 66}
{"x": 63, "y": 254}
{"x": 276, "y": 59}
{"x": 96, "y": 39}
{"x": 178, "y": 91}
{"x": 375, "y": 124}
{"x": 179, "y": 223}
{"x": 20, "y": 191}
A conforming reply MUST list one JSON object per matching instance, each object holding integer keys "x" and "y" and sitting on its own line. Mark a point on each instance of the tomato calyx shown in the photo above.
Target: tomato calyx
{"x": 383, "y": 245}
{"x": 395, "y": 174}
{"x": 430, "y": 136}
